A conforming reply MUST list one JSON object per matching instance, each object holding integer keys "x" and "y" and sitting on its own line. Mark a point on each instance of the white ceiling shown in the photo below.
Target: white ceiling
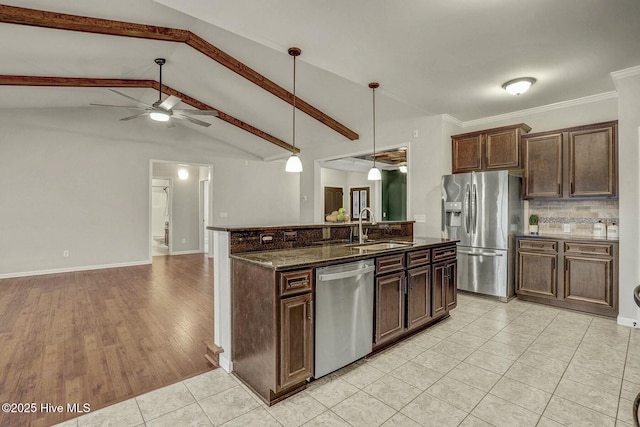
{"x": 431, "y": 57}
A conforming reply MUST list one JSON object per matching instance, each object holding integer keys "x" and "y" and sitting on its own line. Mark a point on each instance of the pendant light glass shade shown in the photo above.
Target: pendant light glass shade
{"x": 374, "y": 172}
{"x": 294, "y": 164}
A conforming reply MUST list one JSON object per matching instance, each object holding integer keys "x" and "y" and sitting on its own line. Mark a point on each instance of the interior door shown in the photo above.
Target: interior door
{"x": 332, "y": 199}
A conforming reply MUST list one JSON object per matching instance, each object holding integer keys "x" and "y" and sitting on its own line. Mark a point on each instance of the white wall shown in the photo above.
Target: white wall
{"x": 629, "y": 181}
{"x": 78, "y": 179}
{"x": 254, "y": 193}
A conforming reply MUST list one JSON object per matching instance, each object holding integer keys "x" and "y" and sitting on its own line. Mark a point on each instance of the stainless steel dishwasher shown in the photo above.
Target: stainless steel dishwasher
{"x": 344, "y": 315}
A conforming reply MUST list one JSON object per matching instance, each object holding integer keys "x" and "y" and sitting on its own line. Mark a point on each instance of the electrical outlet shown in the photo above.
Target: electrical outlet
{"x": 65, "y": 253}
{"x": 415, "y": 133}
{"x": 184, "y": 240}
{"x": 566, "y": 228}
{"x": 223, "y": 214}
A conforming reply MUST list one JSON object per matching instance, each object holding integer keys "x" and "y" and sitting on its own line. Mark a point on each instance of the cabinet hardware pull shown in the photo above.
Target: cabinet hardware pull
{"x": 559, "y": 189}
{"x": 311, "y": 311}
{"x": 566, "y": 265}
{"x": 573, "y": 188}
{"x": 404, "y": 284}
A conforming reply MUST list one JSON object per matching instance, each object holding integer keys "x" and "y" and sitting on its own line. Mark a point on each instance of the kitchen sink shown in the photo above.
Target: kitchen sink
{"x": 373, "y": 247}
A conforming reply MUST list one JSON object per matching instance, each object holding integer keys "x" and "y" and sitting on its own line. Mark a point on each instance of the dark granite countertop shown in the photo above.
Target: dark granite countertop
{"x": 295, "y": 226}
{"x": 330, "y": 254}
{"x": 568, "y": 237}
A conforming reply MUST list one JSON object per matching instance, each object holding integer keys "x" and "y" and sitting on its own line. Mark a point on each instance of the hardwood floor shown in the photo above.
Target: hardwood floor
{"x": 102, "y": 336}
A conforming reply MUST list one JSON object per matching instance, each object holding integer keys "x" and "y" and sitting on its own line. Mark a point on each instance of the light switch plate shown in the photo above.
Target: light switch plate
{"x": 566, "y": 228}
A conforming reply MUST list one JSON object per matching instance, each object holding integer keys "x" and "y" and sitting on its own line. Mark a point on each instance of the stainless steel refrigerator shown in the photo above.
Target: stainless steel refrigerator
{"x": 483, "y": 210}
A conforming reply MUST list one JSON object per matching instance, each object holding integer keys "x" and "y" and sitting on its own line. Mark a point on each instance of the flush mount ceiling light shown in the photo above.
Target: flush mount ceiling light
{"x": 518, "y": 86}
{"x": 294, "y": 164}
{"x": 374, "y": 172}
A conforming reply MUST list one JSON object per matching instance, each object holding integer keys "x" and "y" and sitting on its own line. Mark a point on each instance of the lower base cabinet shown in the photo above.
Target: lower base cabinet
{"x": 579, "y": 275}
{"x": 412, "y": 292}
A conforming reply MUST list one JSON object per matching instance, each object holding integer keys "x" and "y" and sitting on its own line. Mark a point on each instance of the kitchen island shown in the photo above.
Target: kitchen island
{"x": 272, "y": 294}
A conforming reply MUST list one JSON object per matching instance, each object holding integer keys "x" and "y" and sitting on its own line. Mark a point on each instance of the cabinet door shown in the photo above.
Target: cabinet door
{"x": 542, "y": 166}
{"x": 537, "y": 274}
{"x": 418, "y": 296}
{"x": 502, "y": 150}
{"x": 452, "y": 288}
{"x": 588, "y": 280}
{"x": 390, "y": 307}
{"x": 592, "y": 162}
{"x": 439, "y": 285}
{"x": 466, "y": 153}
{"x": 296, "y": 340}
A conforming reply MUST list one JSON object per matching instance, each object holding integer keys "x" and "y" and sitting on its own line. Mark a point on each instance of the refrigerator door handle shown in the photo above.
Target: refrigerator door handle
{"x": 491, "y": 254}
{"x": 467, "y": 202}
{"x": 442, "y": 215}
{"x": 474, "y": 209}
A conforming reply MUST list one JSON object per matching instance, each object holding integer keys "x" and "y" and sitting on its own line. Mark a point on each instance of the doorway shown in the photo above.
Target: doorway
{"x": 188, "y": 198}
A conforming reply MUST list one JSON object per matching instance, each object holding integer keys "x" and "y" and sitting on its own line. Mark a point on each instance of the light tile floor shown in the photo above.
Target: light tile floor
{"x": 489, "y": 364}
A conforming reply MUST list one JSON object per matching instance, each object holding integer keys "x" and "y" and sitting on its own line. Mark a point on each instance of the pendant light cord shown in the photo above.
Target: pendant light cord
{"x": 294, "y": 102}
{"x": 374, "y": 127}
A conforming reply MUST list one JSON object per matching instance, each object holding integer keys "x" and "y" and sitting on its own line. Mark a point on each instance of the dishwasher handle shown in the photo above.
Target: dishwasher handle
{"x": 345, "y": 274}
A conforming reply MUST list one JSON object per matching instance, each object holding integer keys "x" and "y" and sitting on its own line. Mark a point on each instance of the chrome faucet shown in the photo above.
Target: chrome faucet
{"x": 373, "y": 222}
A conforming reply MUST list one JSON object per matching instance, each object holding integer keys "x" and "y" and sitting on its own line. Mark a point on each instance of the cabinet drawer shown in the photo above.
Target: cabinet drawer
{"x": 444, "y": 252}
{"x": 294, "y": 282}
{"x": 588, "y": 248}
{"x": 388, "y": 264}
{"x": 416, "y": 258}
{"x": 538, "y": 245}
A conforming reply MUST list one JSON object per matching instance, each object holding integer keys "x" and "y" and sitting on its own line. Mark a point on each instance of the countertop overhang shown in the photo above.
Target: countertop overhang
{"x": 331, "y": 254}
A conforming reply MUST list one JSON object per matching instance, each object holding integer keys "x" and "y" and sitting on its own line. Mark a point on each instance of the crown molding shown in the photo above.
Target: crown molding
{"x": 621, "y": 74}
{"x": 450, "y": 119}
{"x": 542, "y": 109}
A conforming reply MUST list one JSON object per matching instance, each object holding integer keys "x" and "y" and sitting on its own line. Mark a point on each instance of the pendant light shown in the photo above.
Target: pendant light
{"x": 293, "y": 163}
{"x": 374, "y": 172}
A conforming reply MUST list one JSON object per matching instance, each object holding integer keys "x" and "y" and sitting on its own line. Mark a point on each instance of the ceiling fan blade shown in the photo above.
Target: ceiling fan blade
{"x": 197, "y": 112}
{"x": 169, "y": 103}
{"x": 118, "y": 106}
{"x": 191, "y": 119}
{"x": 135, "y": 116}
{"x": 131, "y": 98}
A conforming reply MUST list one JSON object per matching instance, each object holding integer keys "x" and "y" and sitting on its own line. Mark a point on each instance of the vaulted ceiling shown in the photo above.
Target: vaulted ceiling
{"x": 435, "y": 57}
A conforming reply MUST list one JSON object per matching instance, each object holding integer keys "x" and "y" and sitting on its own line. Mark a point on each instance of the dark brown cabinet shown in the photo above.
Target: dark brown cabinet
{"x": 418, "y": 296}
{"x": 576, "y": 162}
{"x": 272, "y": 328}
{"x": 296, "y": 340}
{"x": 412, "y": 293}
{"x": 490, "y": 149}
{"x": 390, "y": 307}
{"x": 537, "y": 273}
{"x": 580, "y": 275}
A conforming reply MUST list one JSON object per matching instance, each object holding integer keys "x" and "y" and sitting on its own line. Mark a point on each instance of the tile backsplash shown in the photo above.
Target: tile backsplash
{"x": 579, "y": 214}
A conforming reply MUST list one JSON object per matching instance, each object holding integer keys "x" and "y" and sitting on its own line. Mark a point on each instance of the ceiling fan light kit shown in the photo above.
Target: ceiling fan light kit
{"x": 162, "y": 111}
{"x": 374, "y": 173}
{"x": 293, "y": 163}
{"x": 519, "y": 85}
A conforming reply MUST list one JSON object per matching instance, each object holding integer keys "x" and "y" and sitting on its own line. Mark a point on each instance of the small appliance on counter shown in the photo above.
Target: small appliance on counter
{"x": 599, "y": 229}
{"x": 612, "y": 231}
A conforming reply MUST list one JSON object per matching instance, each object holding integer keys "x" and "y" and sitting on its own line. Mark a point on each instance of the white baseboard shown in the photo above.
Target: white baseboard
{"x": 197, "y": 251}
{"x": 632, "y": 323}
{"x": 72, "y": 269}
{"x": 225, "y": 363}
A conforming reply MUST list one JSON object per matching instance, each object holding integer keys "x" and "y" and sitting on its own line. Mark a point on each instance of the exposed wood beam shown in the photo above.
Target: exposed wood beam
{"x": 9, "y": 80}
{"x": 62, "y": 21}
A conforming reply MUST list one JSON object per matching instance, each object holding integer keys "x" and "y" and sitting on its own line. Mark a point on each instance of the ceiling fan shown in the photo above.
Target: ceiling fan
{"x": 162, "y": 111}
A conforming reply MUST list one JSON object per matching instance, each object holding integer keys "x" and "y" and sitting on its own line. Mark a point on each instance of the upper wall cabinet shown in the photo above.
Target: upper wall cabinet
{"x": 576, "y": 162}
{"x": 490, "y": 149}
